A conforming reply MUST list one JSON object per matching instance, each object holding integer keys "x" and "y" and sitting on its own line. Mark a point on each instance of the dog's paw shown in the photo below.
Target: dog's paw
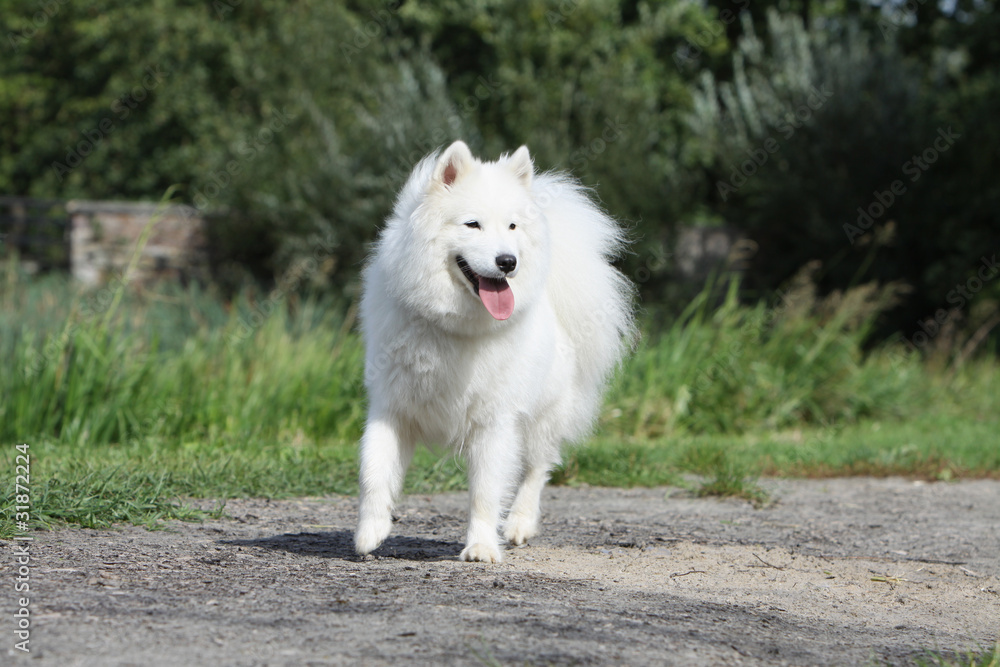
{"x": 370, "y": 534}
{"x": 482, "y": 553}
{"x": 519, "y": 529}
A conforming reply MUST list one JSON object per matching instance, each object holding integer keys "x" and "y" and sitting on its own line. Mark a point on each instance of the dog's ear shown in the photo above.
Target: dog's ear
{"x": 522, "y": 166}
{"x": 456, "y": 160}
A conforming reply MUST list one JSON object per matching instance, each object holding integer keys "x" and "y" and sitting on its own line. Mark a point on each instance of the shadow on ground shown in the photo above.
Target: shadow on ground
{"x": 340, "y": 545}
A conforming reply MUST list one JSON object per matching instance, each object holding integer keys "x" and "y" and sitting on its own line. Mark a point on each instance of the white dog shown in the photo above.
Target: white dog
{"x": 492, "y": 319}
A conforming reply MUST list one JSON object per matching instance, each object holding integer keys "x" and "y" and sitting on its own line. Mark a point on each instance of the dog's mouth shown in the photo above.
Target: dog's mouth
{"x": 495, "y": 293}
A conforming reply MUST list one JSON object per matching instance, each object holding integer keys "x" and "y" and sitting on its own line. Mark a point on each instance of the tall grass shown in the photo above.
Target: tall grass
{"x": 177, "y": 392}
{"x": 733, "y": 368}
{"x": 182, "y": 364}
{"x": 175, "y": 365}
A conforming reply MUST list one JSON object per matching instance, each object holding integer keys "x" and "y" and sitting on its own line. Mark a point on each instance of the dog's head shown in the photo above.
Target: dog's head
{"x": 475, "y": 235}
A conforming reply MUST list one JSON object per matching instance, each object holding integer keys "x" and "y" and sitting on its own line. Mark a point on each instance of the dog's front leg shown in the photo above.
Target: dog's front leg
{"x": 493, "y": 459}
{"x": 385, "y": 457}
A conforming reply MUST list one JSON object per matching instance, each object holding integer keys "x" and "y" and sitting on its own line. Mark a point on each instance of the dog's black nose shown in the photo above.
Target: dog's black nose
{"x": 506, "y": 263}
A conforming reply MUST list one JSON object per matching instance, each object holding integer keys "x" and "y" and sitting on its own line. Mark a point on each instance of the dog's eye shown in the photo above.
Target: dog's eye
{"x": 473, "y": 224}
{"x": 512, "y": 225}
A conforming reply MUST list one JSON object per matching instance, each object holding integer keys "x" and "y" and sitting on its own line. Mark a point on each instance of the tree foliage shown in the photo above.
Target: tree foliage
{"x": 830, "y": 144}
{"x": 294, "y": 123}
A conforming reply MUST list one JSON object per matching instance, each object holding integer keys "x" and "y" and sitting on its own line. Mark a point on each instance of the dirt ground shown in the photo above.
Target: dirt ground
{"x": 835, "y": 572}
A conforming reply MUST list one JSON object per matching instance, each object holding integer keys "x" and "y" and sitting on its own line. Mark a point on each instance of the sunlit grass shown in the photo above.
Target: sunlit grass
{"x": 976, "y": 658}
{"x": 178, "y": 393}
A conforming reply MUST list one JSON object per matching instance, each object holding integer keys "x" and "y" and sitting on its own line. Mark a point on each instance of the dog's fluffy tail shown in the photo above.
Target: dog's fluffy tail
{"x": 593, "y": 300}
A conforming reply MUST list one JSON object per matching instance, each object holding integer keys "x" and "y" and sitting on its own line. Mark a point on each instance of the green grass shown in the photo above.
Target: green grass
{"x": 144, "y": 482}
{"x": 931, "y": 447}
{"x": 976, "y": 658}
{"x": 131, "y": 400}
{"x": 141, "y": 482}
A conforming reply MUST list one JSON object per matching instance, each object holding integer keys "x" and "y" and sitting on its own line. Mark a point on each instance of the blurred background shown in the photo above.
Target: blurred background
{"x": 777, "y": 120}
{"x": 811, "y": 186}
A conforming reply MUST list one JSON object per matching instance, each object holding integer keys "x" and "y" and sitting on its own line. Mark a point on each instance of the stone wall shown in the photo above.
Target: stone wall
{"x": 702, "y": 250}
{"x": 104, "y": 235}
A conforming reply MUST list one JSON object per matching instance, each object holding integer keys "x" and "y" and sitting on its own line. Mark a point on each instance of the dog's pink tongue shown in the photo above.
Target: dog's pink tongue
{"x": 497, "y": 296}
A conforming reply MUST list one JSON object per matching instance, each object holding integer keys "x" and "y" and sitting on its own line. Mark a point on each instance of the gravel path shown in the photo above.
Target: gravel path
{"x": 836, "y": 572}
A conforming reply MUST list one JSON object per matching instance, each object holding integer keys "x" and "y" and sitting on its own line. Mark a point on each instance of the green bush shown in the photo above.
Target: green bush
{"x": 818, "y": 123}
{"x": 177, "y": 366}
{"x": 282, "y": 119}
{"x": 174, "y": 366}
{"x": 294, "y": 124}
{"x": 736, "y": 368}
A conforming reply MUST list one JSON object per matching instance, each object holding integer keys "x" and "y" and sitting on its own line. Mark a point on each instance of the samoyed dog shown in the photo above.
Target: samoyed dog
{"x": 492, "y": 319}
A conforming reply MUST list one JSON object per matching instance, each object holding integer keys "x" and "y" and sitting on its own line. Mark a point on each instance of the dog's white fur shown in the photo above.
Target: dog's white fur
{"x": 440, "y": 369}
